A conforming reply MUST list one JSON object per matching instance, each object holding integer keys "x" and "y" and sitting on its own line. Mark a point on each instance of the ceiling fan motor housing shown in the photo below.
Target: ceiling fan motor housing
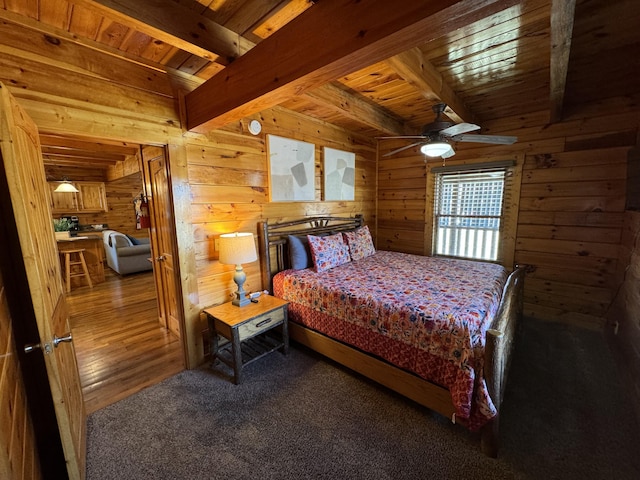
{"x": 433, "y": 129}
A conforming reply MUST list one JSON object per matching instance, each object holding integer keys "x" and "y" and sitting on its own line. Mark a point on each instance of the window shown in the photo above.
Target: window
{"x": 468, "y": 216}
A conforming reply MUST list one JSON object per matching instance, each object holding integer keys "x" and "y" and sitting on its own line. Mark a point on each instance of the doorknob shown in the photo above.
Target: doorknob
{"x": 57, "y": 340}
{"x": 160, "y": 258}
{"x": 32, "y": 347}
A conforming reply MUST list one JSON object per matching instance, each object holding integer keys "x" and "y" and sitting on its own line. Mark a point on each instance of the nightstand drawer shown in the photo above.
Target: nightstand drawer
{"x": 260, "y": 324}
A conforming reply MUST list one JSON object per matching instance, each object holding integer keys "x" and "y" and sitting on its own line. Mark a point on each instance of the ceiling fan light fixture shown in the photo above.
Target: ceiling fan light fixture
{"x": 435, "y": 149}
{"x": 66, "y": 187}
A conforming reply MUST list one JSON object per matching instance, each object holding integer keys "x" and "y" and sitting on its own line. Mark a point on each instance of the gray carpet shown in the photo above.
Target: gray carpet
{"x": 302, "y": 417}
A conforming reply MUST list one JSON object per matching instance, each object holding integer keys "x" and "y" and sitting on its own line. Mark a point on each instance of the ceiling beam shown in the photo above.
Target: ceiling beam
{"x": 562, "y": 13}
{"x": 103, "y": 55}
{"x": 173, "y": 34}
{"x": 75, "y": 162}
{"x": 80, "y": 155}
{"x": 176, "y": 25}
{"x": 418, "y": 72}
{"x": 356, "y": 108}
{"x": 99, "y": 145}
{"x": 353, "y": 34}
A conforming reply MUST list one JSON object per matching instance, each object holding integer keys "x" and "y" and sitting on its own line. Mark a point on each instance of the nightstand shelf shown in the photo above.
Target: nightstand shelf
{"x": 252, "y": 331}
{"x": 251, "y": 349}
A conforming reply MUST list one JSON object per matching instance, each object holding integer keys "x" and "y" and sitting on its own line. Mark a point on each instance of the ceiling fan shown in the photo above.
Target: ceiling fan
{"x": 436, "y": 136}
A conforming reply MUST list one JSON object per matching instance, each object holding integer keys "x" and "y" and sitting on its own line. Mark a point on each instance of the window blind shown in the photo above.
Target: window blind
{"x": 468, "y": 211}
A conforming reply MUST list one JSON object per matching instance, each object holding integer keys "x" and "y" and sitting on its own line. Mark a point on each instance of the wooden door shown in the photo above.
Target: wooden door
{"x": 161, "y": 209}
{"x": 39, "y": 269}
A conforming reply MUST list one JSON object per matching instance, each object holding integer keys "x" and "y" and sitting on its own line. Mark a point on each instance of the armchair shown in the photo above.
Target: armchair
{"x": 123, "y": 255}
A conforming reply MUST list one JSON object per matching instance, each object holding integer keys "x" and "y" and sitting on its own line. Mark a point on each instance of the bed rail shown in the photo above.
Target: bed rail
{"x": 274, "y": 249}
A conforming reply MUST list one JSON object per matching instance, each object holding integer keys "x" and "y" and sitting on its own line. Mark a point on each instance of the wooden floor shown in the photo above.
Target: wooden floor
{"x": 120, "y": 346}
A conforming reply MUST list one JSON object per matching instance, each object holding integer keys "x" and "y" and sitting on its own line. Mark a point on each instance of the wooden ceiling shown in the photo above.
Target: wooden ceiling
{"x": 337, "y": 61}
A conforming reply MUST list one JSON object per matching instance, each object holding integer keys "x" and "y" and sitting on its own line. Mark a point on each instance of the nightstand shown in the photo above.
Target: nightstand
{"x": 251, "y": 331}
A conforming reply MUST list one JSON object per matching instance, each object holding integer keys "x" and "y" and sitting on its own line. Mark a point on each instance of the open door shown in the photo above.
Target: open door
{"x": 40, "y": 271}
{"x": 162, "y": 234}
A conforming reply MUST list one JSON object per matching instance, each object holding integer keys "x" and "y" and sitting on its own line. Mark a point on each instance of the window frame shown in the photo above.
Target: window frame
{"x": 510, "y": 205}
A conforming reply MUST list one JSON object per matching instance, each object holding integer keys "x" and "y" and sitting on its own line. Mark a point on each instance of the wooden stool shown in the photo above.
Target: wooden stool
{"x": 78, "y": 259}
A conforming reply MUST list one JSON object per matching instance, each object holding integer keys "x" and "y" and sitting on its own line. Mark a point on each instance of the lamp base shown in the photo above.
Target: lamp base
{"x": 241, "y": 298}
{"x": 240, "y": 302}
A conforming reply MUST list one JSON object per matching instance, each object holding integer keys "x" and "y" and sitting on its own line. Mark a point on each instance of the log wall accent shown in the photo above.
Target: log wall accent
{"x": 623, "y": 318}
{"x": 18, "y": 450}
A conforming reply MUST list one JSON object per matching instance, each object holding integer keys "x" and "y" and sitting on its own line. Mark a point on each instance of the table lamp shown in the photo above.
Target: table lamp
{"x": 236, "y": 249}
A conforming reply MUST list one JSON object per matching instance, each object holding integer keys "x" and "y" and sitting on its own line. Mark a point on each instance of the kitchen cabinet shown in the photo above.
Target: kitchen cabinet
{"x": 62, "y": 202}
{"x": 91, "y": 198}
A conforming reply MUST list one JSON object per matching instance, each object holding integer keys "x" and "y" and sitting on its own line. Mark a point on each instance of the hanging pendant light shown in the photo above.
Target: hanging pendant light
{"x": 66, "y": 187}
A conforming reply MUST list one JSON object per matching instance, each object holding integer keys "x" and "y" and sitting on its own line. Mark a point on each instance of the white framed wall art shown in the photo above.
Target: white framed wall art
{"x": 291, "y": 169}
{"x": 339, "y": 174}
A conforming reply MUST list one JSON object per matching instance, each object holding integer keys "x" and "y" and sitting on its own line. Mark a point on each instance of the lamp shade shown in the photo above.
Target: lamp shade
{"x": 66, "y": 187}
{"x": 237, "y": 248}
{"x": 435, "y": 149}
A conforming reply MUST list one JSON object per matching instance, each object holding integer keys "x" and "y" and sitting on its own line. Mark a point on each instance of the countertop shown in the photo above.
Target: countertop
{"x": 73, "y": 239}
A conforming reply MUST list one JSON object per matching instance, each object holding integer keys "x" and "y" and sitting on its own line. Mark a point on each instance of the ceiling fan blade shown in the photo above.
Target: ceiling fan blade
{"x": 393, "y": 152}
{"x": 459, "y": 129}
{"x": 497, "y": 139}
{"x": 448, "y": 154}
{"x": 400, "y": 136}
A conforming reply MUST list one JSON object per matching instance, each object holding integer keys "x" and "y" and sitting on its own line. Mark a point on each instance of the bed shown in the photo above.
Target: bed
{"x": 436, "y": 330}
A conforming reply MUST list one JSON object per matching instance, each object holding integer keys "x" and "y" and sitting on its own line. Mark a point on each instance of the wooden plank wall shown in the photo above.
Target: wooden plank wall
{"x": 402, "y": 203}
{"x": 571, "y": 211}
{"x": 571, "y": 214}
{"x": 228, "y": 178}
{"x": 18, "y": 450}
{"x": 121, "y": 215}
{"x": 572, "y": 203}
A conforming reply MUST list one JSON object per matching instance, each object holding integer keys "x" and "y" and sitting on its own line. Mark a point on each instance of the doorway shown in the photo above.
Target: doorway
{"x": 119, "y": 325}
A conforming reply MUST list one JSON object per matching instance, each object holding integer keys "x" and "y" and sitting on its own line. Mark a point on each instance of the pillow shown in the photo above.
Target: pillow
{"x": 133, "y": 240}
{"x": 299, "y": 254}
{"x": 360, "y": 243}
{"x": 328, "y": 252}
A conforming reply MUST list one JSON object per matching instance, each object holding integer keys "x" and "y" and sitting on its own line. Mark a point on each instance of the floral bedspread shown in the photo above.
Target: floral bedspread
{"x": 427, "y": 315}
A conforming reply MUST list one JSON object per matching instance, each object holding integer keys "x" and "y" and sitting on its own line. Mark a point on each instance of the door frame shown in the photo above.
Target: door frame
{"x": 146, "y": 178}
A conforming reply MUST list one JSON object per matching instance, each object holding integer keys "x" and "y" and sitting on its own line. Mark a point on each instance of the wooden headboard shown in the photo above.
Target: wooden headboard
{"x": 274, "y": 245}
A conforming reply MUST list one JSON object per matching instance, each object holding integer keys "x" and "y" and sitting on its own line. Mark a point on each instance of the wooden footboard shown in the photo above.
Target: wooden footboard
{"x": 498, "y": 352}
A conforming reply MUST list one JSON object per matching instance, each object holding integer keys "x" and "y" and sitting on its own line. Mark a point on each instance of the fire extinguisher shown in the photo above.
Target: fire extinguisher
{"x": 145, "y": 221}
{"x": 142, "y": 212}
